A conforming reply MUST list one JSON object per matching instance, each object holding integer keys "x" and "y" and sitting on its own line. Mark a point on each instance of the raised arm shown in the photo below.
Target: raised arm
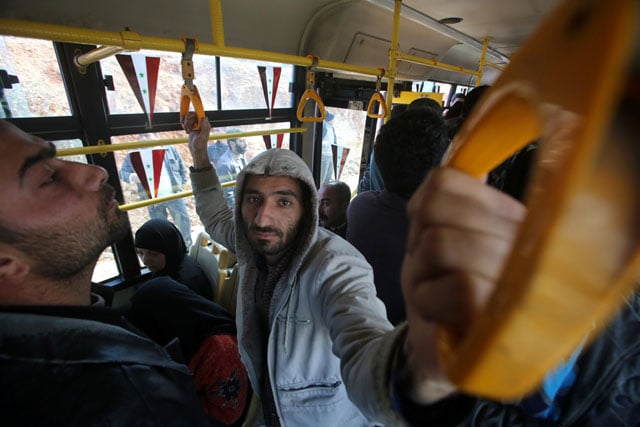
{"x": 211, "y": 205}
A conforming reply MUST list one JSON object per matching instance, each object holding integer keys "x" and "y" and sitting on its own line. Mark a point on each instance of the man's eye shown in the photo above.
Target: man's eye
{"x": 285, "y": 202}
{"x": 50, "y": 179}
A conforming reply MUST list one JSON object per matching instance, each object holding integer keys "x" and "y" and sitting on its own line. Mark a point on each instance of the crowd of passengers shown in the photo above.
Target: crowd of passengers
{"x": 339, "y": 304}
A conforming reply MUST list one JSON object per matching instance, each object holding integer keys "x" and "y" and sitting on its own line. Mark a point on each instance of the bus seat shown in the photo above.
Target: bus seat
{"x": 228, "y": 292}
{"x": 226, "y": 258}
{"x": 203, "y": 254}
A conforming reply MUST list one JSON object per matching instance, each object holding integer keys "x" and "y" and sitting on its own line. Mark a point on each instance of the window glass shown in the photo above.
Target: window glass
{"x": 39, "y": 91}
{"x": 141, "y": 179}
{"x": 106, "y": 268}
{"x": 122, "y": 100}
{"x": 242, "y": 84}
{"x": 342, "y": 136}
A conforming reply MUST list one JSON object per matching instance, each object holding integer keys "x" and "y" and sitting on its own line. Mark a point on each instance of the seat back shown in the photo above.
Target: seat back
{"x": 203, "y": 253}
{"x": 228, "y": 292}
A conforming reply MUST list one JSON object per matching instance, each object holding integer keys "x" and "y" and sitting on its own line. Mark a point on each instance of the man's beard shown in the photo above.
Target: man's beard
{"x": 286, "y": 239}
{"x": 64, "y": 253}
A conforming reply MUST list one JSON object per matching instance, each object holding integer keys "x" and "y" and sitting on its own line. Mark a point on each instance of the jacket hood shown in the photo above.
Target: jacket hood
{"x": 279, "y": 162}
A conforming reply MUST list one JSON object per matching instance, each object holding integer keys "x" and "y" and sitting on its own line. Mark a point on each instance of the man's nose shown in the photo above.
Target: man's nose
{"x": 264, "y": 215}
{"x": 88, "y": 177}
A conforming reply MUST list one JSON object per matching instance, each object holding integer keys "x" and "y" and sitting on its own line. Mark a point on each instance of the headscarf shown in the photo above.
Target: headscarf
{"x": 162, "y": 236}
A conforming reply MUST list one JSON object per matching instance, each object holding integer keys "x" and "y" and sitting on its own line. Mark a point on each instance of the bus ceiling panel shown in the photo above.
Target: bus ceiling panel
{"x": 327, "y": 29}
{"x": 353, "y": 34}
{"x": 159, "y": 18}
{"x": 506, "y": 22}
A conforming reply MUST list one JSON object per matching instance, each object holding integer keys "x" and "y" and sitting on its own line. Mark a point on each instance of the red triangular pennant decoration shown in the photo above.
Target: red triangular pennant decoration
{"x": 138, "y": 166}
{"x": 339, "y": 159}
{"x": 267, "y": 141}
{"x": 158, "y": 159}
{"x": 148, "y": 166}
{"x": 142, "y": 74}
{"x": 269, "y": 77}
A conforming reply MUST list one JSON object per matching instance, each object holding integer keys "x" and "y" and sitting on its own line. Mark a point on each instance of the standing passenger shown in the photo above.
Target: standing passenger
{"x": 406, "y": 148}
{"x": 306, "y": 299}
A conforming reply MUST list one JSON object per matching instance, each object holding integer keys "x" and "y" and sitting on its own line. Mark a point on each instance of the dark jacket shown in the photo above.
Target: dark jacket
{"x": 378, "y": 228}
{"x": 606, "y": 391}
{"x": 57, "y": 370}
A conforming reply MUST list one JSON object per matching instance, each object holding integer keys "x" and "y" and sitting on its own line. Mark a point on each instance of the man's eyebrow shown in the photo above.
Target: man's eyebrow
{"x": 46, "y": 153}
{"x": 285, "y": 193}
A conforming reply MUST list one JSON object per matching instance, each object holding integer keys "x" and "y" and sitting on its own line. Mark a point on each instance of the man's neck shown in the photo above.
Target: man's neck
{"x": 35, "y": 290}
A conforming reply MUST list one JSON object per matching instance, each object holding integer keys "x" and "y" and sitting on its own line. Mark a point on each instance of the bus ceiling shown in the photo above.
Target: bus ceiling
{"x": 356, "y": 32}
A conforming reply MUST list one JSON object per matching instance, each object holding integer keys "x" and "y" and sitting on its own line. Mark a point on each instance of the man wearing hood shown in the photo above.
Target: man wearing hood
{"x": 307, "y": 305}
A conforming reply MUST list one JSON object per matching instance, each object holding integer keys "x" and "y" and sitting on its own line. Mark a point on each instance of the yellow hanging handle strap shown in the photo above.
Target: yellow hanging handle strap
{"x": 189, "y": 93}
{"x": 377, "y": 98}
{"x": 577, "y": 254}
{"x": 310, "y": 94}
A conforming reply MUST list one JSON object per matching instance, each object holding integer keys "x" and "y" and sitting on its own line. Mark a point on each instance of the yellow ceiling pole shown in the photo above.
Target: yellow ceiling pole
{"x": 393, "y": 56}
{"x": 130, "y": 40}
{"x": 216, "y": 22}
{"x": 483, "y": 60}
{"x": 430, "y": 62}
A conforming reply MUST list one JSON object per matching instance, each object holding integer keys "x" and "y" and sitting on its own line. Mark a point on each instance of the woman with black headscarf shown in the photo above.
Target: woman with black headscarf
{"x": 161, "y": 248}
{"x": 171, "y": 305}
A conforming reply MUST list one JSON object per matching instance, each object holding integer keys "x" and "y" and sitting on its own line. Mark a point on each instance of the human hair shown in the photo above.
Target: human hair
{"x": 472, "y": 98}
{"x": 407, "y": 147}
{"x": 428, "y": 103}
{"x": 344, "y": 192}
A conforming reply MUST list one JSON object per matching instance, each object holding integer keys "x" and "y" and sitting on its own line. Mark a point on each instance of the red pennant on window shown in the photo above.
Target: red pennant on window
{"x": 142, "y": 74}
{"x": 269, "y": 77}
{"x": 339, "y": 159}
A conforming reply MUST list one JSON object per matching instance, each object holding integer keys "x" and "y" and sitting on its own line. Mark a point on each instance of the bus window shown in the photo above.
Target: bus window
{"x": 122, "y": 99}
{"x": 106, "y": 268}
{"x": 36, "y": 83}
{"x": 244, "y": 89}
{"x": 343, "y": 134}
{"x": 173, "y": 173}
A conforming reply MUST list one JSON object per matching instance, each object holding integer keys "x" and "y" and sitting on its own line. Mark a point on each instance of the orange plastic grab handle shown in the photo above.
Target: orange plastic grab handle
{"x": 191, "y": 97}
{"x": 310, "y": 95}
{"x": 377, "y": 97}
{"x": 577, "y": 254}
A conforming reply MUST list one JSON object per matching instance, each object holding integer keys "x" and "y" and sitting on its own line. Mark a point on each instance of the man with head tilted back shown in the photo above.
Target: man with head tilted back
{"x": 62, "y": 361}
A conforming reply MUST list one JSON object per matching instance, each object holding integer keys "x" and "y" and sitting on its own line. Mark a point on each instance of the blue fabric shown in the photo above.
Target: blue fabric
{"x": 546, "y": 402}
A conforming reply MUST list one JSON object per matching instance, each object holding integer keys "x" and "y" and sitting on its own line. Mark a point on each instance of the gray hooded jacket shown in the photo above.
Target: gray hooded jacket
{"x": 331, "y": 345}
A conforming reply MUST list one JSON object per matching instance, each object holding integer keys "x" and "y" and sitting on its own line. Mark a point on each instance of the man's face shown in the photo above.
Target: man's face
{"x": 239, "y": 145}
{"x": 60, "y": 215}
{"x": 331, "y": 210}
{"x": 272, "y": 208}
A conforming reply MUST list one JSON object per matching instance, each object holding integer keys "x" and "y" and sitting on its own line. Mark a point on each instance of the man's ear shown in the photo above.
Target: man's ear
{"x": 12, "y": 267}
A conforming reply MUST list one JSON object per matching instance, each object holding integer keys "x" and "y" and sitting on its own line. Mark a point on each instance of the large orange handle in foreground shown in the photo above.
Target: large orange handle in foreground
{"x": 578, "y": 252}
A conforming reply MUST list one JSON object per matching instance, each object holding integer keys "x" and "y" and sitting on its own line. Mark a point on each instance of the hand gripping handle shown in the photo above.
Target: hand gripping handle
{"x": 577, "y": 254}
